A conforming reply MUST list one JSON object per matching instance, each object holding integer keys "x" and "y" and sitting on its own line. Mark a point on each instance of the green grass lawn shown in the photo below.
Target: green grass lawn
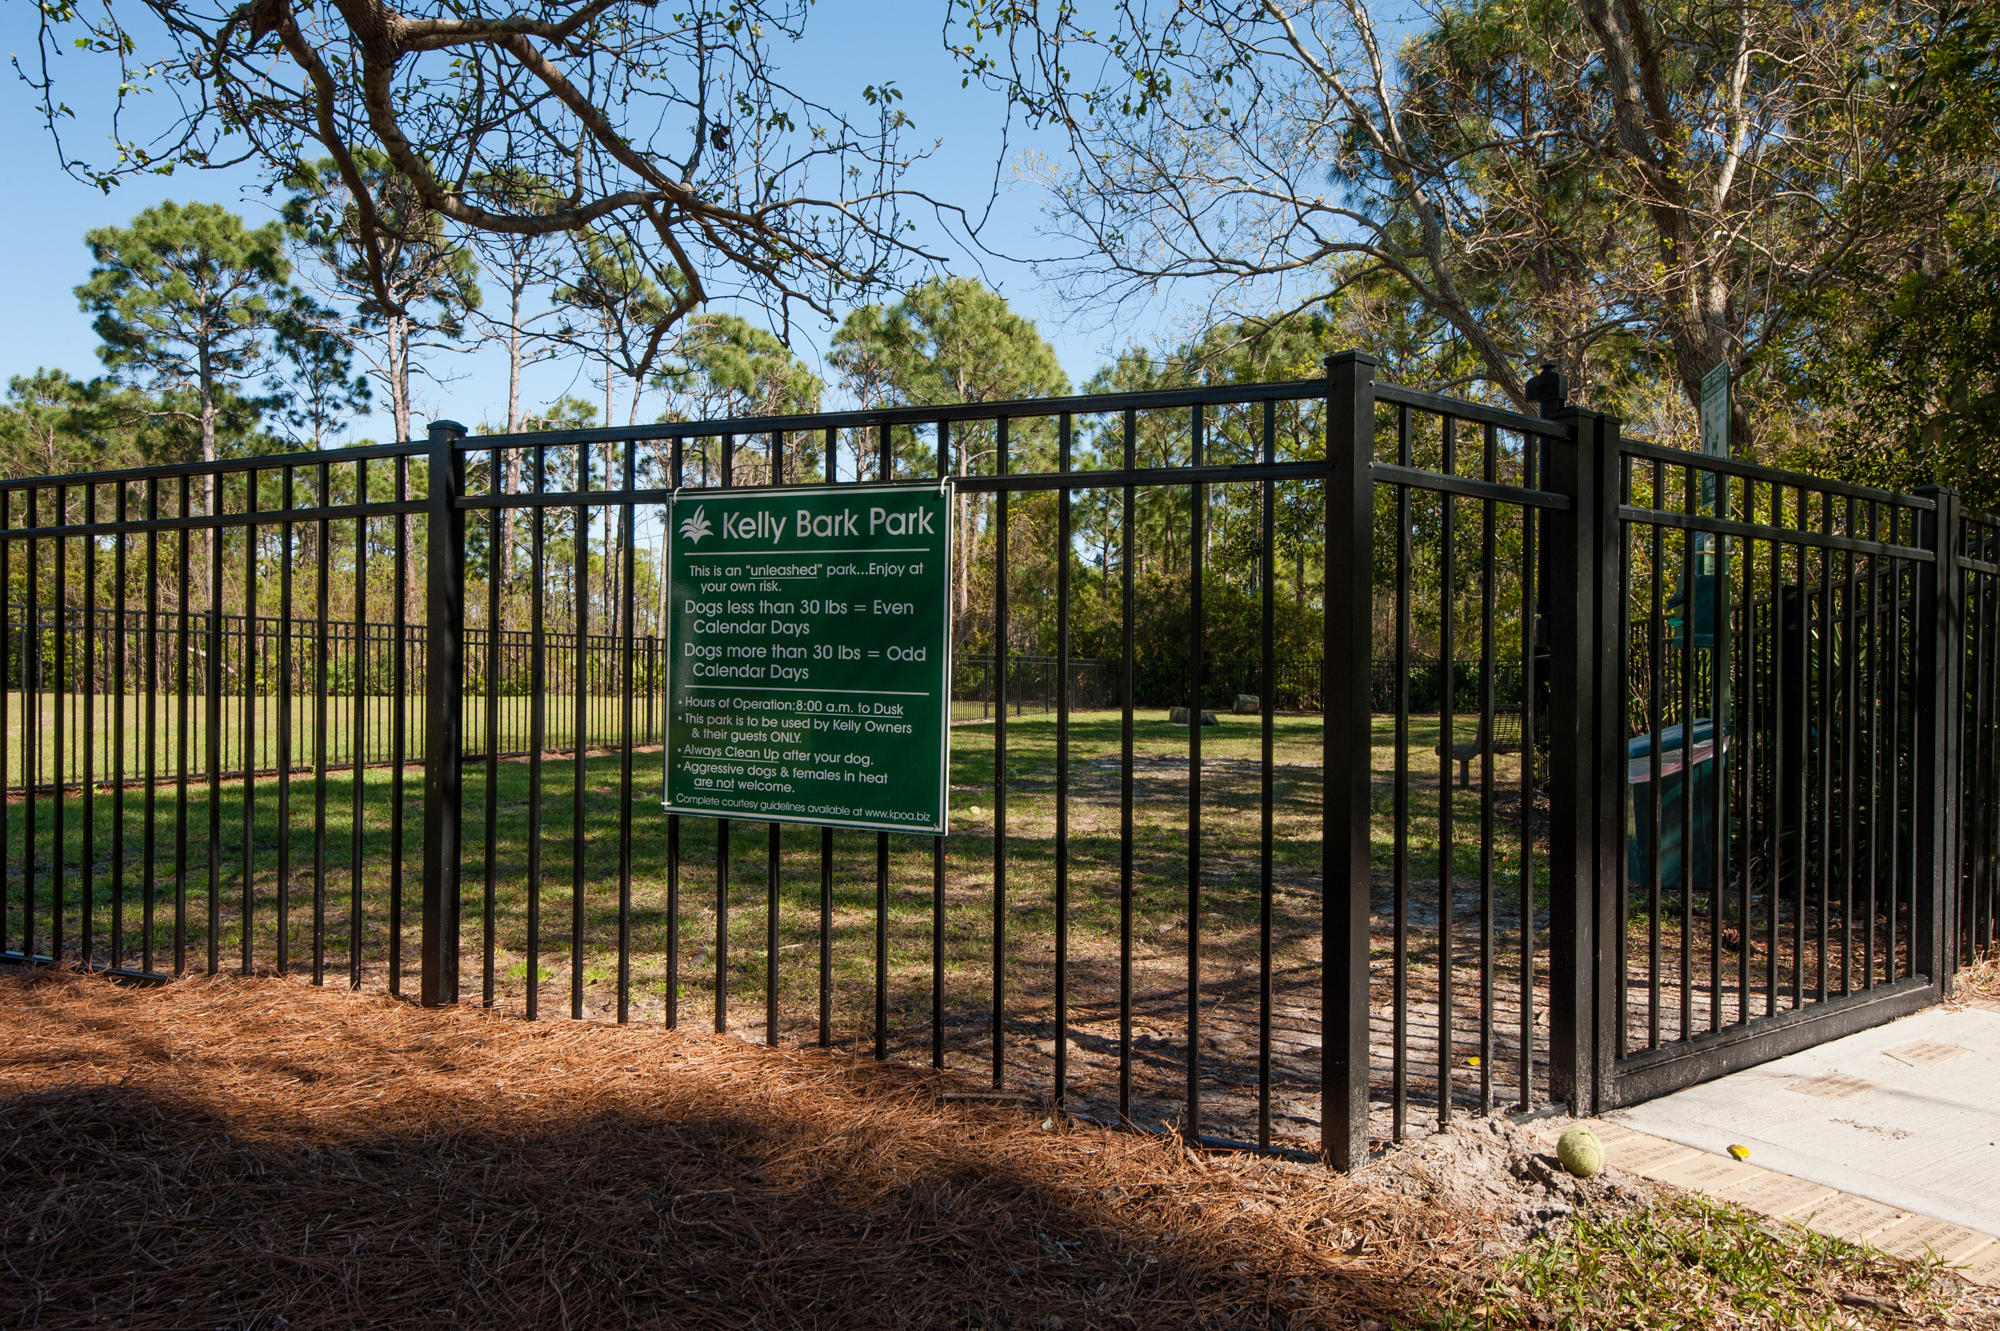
{"x": 120, "y": 727}
{"x": 1230, "y": 858}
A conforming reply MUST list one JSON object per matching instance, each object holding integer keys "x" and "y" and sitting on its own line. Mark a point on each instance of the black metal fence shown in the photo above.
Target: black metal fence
{"x": 276, "y": 665}
{"x": 1296, "y": 685}
{"x": 1027, "y": 683}
{"x": 1971, "y": 656}
{"x": 1602, "y": 767}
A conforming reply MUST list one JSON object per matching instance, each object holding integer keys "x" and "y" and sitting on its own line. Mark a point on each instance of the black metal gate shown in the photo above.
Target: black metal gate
{"x": 1782, "y": 780}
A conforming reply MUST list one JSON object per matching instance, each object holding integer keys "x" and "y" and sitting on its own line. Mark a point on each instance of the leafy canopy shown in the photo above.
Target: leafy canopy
{"x": 949, "y": 339}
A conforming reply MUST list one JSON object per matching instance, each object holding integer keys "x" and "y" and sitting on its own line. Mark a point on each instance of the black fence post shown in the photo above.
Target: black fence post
{"x": 1346, "y": 874}
{"x": 1585, "y": 823}
{"x": 1606, "y": 684}
{"x": 1940, "y": 708}
{"x": 444, "y": 712}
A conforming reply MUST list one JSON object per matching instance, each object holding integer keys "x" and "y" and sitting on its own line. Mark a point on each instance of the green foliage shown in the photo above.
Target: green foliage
{"x": 1232, "y": 635}
{"x": 318, "y": 392}
{"x": 50, "y": 425}
{"x": 184, "y": 288}
{"x": 568, "y": 412}
{"x": 166, "y": 427}
{"x": 956, "y": 340}
{"x": 720, "y": 366}
{"x": 1900, "y": 366}
{"x": 1908, "y": 386}
{"x": 950, "y": 339}
{"x": 1244, "y": 351}
{"x": 625, "y": 314}
{"x": 724, "y": 366}
{"x": 183, "y": 299}
{"x": 393, "y": 265}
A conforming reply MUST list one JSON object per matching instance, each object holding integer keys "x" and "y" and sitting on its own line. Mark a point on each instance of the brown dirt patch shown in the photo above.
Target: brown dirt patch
{"x": 1495, "y": 1167}
{"x": 258, "y": 1153}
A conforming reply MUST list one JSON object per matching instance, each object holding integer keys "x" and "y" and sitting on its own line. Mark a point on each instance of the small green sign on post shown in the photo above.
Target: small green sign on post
{"x": 1715, "y": 412}
{"x": 1715, "y": 441}
{"x": 809, "y": 643}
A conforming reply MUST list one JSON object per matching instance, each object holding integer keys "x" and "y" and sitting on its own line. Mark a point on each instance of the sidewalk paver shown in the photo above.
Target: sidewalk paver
{"x": 1774, "y": 1194}
{"x": 1855, "y": 1219}
{"x": 1907, "y": 1114}
{"x": 1923, "y": 1235}
{"x": 1982, "y": 1264}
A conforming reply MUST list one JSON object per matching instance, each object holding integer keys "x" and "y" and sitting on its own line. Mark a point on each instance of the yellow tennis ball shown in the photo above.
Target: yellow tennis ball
{"x": 1580, "y": 1152}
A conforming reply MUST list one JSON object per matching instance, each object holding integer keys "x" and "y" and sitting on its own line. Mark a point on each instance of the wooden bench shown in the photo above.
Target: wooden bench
{"x": 1504, "y": 738}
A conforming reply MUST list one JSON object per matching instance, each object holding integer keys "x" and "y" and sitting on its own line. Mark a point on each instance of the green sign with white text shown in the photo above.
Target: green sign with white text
{"x": 1715, "y": 412}
{"x": 1715, "y": 431}
{"x": 809, "y": 640}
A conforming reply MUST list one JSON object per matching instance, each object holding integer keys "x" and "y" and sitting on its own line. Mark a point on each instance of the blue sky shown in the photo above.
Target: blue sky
{"x": 850, "y": 43}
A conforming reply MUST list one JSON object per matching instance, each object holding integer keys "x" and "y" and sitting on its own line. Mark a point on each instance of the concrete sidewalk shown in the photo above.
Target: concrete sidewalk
{"x": 1889, "y": 1137}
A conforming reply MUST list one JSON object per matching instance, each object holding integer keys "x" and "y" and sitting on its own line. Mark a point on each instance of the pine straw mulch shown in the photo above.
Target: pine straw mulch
{"x": 257, "y": 1153}
{"x": 1979, "y": 982}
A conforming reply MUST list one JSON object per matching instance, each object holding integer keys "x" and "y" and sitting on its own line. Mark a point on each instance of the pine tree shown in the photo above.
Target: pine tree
{"x": 184, "y": 298}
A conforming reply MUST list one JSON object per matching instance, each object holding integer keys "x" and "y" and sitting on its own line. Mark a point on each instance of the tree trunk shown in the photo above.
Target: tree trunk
{"x": 207, "y": 408}
{"x": 607, "y": 373}
{"x": 515, "y": 291}
{"x": 399, "y": 376}
{"x": 612, "y": 478}
{"x": 510, "y": 483}
{"x": 660, "y": 576}
{"x": 510, "y": 467}
{"x": 968, "y": 544}
{"x": 399, "y": 351}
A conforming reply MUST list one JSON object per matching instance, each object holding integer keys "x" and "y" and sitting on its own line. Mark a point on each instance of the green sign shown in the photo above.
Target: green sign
{"x": 809, "y": 635}
{"x": 1710, "y": 608}
{"x": 1715, "y": 412}
{"x": 1714, "y": 430}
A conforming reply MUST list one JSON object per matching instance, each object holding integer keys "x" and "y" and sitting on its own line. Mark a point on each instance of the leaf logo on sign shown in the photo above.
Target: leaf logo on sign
{"x": 694, "y": 527}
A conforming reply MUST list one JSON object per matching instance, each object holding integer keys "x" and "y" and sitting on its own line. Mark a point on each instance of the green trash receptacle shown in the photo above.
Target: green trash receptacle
{"x": 1673, "y": 787}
